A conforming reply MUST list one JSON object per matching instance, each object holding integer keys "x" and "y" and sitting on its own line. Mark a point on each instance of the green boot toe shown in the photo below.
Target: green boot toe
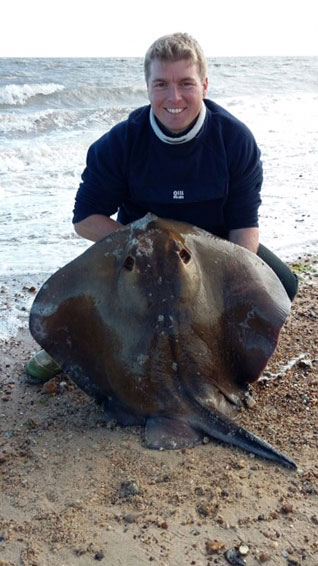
{"x": 42, "y": 366}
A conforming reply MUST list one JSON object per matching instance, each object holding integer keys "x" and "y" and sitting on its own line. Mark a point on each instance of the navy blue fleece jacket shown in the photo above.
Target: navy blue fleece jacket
{"x": 212, "y": 181}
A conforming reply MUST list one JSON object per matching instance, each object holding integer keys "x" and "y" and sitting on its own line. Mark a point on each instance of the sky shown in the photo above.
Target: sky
{"x": 104, "y": 28}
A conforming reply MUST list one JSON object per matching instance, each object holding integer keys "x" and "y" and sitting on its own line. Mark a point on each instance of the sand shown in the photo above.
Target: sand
{"x": 76, "y": 490}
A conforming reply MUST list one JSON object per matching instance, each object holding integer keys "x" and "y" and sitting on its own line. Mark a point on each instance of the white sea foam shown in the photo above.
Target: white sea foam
{"x": 37, "y": 121}
{"x": 11, "y": 323}
{"x": 17, "y": 94}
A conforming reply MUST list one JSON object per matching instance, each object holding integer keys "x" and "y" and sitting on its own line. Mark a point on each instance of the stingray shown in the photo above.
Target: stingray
{"x": 166, "y": 325}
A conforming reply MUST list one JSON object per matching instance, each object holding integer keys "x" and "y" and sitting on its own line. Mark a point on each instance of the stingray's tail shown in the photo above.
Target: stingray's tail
{"x": 222, "y": 428}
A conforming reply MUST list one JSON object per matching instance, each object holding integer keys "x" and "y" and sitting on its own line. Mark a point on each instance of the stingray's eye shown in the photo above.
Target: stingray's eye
{"x": 129, "y": 263}
{"x": 185, "y": 255}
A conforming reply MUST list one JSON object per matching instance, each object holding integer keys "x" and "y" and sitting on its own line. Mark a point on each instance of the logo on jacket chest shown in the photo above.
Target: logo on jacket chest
{"x": 176, "y": 195}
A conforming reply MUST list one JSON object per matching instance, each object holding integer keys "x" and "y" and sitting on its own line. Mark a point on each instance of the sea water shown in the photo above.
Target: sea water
{"x": 51, "y": 110}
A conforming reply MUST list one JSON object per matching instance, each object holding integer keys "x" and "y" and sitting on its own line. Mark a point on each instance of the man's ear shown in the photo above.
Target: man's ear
{"x": 205, "y": 86}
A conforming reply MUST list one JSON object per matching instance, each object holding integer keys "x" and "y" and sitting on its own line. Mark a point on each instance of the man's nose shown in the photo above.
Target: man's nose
{"x": 174, "y": 93}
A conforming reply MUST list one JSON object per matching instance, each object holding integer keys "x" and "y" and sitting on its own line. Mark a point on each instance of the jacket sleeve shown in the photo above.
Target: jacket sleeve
{"x": 245, "y": 181}
{"x": 103, "y": 185}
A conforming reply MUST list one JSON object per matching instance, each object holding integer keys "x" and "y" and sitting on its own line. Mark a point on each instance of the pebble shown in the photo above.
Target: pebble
{"x": 129, "y": 488}
{"x": 292, "y": 560}
{"x": 274, "y": 544}
{"x": 203, "y": 510}
{"x": 264, "y": 557}
{"x": 62, "y": 386}
{"x": 244, "y": 549}
{"x": 305, "y": 364}
{"x": 286, "y": 508}
{"x": 234, "y": 557}
{"x": 99, "y": 555}
{"x": 50, "y": 386}
{"x": 249, "y": 401}
{"x": 213, "y": 546}
{"x": 130, "y": 518}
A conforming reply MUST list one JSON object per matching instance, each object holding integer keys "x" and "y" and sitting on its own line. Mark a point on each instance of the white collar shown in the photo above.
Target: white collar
{"x": 182, "y": 139}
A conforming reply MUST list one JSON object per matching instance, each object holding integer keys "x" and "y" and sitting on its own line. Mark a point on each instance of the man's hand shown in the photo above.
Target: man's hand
{"x": 245, "y": 237}
{"x": 96, "y": 227}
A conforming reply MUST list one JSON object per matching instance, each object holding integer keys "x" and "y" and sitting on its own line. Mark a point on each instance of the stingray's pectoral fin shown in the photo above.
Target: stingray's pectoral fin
{"x": 168, "y": 434}
{"x": 224, "y": 429}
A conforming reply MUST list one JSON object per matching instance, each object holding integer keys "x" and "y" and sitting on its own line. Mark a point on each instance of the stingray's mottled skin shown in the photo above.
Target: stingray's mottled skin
{"x": 167, "y": 325}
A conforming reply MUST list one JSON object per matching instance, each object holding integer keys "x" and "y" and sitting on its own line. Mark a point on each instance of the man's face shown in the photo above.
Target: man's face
{"x": 175, "y": 92}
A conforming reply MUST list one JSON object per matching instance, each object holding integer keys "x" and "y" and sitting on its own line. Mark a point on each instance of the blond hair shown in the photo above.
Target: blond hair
{"x": 174, "y": 47}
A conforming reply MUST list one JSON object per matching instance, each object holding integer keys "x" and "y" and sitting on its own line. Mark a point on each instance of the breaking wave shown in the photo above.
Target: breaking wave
{"x": 18, "y": 95}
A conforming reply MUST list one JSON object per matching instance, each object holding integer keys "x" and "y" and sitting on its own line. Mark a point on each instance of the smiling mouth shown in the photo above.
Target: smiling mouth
{"x": 174, "y": 110}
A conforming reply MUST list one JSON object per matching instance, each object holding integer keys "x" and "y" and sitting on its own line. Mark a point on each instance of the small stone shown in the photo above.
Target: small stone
{"x": 214, "y": 546}
{"x": 286, "y": 508}
{"x": 264, "y": 557}
{"x": 164, "y": 525}
{"x": 62, "y": 386}
{"x": 249, "y": 401}
{"x": 205, "y": 440}
{"x": 99, "y": 555}
{"x": 79, "y": 551}
{"x": 32, "y": 289}
{"x": 130, "y": 518}
{"x": 274, "y": 544}
{"x": 244, "y": 549}
{"x": 305, "y": 364}
{"x": 203, "y": 510}
{"x": 129, "y": 488}
{"x": 234, "y": 557}
{"x": 51, "y": 386}
{"x": 292, "y": 560}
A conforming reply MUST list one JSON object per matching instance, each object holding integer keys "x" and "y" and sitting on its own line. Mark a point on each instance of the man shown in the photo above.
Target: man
{"x": 182, "y": 157}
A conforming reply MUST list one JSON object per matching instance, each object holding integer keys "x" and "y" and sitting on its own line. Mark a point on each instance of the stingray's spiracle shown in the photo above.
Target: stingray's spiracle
{"x": 185, "y": 255}
{"x": 129, "y": 263}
